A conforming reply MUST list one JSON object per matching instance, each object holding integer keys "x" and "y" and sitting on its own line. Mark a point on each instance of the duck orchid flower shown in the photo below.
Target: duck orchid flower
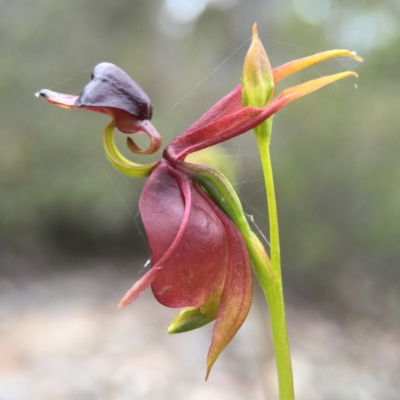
{"x": 202, "y": 247}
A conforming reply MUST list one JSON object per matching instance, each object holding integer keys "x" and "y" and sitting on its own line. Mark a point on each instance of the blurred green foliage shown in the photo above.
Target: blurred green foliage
{"x": 335, "y": 153}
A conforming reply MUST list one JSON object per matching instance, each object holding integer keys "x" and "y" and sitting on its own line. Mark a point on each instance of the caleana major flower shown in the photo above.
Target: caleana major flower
{"x": 202, "y": 247}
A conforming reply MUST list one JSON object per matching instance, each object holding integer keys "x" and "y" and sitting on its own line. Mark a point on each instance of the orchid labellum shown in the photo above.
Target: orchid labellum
{"x": 202, "y": 247}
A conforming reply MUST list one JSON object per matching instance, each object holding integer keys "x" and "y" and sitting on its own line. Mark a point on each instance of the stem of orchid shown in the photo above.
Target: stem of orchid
{"x": 274, "y": 292}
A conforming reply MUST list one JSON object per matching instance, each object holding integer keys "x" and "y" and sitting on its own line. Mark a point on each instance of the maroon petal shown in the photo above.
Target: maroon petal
{"x": 196, "y": 268}
{"x": 227, "y": 105}
{"x": 237, "y": 292}
{"x": 222, "y": 129}
{"x": 139, "y": 287}
{"x": 161, "y": 176}
{"x": 243, "y": 120}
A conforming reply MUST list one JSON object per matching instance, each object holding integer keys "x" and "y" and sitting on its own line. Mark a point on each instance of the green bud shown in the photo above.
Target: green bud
{"x": 258, "y": 79}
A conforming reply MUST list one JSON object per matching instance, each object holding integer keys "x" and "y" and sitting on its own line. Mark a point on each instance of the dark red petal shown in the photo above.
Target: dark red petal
{"x": 237, "y": 293}
{"x": 196, "y": 269}
{"x": 111, "y": 87}
{"x": 227, "y": 105}
{"x": 243, "y": 120}
{"x": 139, "y": 287}
{"x": 216, "y": 132}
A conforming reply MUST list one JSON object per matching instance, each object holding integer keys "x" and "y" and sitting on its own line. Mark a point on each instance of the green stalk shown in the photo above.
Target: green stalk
{"x": 273, "y": 291}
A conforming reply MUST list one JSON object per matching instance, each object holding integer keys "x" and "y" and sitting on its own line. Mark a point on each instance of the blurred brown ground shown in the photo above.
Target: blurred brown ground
{"x": 62, "y": 337}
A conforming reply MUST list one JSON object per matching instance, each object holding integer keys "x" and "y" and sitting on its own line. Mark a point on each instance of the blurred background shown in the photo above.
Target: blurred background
{"x": 71, "y": 239}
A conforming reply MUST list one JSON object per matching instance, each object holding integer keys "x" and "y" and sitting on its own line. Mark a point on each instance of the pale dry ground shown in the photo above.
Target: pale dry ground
{"x": 62, "y": 337}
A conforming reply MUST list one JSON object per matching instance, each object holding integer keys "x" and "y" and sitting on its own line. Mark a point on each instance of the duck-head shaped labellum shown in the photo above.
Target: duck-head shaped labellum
{"x": 111, "y": 87}
{"x": 111, "y": 91}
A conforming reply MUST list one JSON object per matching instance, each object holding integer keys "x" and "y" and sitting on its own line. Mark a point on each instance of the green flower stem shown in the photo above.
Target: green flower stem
{"x": 273, "y": 292}
{"x": 263, "y": 136}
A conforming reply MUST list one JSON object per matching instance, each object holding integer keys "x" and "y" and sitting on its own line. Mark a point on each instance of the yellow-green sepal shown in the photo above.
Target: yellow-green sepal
{"x": 188, "y": 319}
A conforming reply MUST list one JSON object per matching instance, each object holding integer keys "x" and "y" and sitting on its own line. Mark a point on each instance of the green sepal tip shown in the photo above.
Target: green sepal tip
{"x": 188, "y": 319}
